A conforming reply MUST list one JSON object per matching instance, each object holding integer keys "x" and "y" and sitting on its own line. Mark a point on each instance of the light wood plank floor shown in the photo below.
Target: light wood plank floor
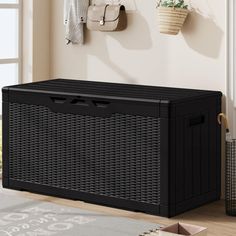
{"x": 211, "y": 216}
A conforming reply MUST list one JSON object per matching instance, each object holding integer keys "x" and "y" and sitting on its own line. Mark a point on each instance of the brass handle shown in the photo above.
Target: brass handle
{"x": 223, "y": 119}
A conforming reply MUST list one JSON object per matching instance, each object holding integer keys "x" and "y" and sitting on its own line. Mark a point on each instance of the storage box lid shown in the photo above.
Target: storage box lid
{"x": 115, "y": 91}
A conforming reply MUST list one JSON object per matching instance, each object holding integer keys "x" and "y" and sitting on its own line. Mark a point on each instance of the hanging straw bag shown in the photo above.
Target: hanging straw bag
{"x": 171, "y": 19}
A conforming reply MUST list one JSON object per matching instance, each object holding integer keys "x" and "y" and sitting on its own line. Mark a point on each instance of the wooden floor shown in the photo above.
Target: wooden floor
{"x": 211, "y": 216}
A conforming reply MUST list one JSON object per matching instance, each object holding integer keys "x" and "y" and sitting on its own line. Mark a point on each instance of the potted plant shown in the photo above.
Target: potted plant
{"x": 172, "y": 15}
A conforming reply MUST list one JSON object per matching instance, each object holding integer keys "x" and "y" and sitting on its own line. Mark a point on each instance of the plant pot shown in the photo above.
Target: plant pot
{"x": 183, "y": 229}
{"x": 171, "y": 19}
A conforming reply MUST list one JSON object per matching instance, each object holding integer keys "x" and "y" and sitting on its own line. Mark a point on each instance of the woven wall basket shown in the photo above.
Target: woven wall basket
{"x": 171, "y": 19}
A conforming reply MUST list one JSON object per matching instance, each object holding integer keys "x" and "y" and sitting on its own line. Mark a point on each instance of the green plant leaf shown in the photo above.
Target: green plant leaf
{"x": 174, "y": 3}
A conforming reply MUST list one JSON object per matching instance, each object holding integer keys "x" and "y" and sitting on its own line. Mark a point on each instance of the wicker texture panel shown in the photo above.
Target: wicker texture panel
{"x": 230, "y": 178}
{"x": 117, "y": 156}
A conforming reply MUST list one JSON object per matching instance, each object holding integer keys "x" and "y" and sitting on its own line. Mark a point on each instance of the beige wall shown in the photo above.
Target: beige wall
{"x": 41, "y": 36}
{"x": 27, "y": 41}
{"x": 36, "y": 40}
{"x": 195, "y": 58}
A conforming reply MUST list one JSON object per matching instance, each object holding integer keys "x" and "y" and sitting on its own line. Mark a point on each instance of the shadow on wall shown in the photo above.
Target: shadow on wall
{"x": 138, "y": 37}
{"x": 132, "y": 40}
{"x": 202, "y": 35}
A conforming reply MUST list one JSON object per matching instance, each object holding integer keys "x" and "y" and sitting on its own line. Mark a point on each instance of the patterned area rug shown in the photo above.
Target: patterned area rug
{"x": 26, "y": 217}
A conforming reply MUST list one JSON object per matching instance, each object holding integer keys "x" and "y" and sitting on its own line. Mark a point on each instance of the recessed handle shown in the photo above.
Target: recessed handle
{"x": 58, "y": 100}
{"x": 101, "y": 104}
{"x": 79, "y": 102}
{"x": 198, "y": 120}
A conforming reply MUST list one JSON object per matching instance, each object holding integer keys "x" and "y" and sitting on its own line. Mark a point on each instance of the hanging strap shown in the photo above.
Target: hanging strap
{"x": 159, "y": 3}
{"x": 102, "y": 20}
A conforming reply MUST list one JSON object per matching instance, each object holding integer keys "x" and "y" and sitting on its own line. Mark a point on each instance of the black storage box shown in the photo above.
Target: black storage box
{"x": 142, "y": 148}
